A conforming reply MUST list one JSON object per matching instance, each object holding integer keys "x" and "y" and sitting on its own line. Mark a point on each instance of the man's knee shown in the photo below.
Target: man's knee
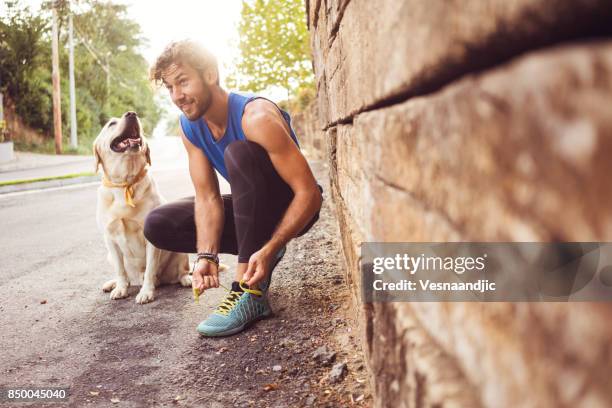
{"x": 241, "y": 151}
{"x": 154, "y": 227}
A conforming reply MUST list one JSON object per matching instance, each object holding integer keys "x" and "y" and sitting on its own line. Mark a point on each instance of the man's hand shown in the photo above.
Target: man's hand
{"x": 205, "y": 276}
{"x": 258, "y": 268}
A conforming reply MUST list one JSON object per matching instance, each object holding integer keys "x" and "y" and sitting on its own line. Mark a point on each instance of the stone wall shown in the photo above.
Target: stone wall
{"x": 309, "y": 133}
{"x": 480, "y": 120}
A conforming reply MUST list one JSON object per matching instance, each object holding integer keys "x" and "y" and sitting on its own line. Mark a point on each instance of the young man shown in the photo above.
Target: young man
{"x": 275, "y": 197}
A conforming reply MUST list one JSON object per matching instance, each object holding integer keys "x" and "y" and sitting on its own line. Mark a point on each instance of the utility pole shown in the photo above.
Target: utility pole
{"x": 73, "y": 122}
{"x": 2, "y": 122}
{"x": 55, "y": 76}
{"x": 107, "y": 100}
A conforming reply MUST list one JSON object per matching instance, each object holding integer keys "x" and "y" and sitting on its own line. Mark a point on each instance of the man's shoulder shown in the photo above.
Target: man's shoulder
{"x": 253, "y": 102}
{"x": 184, "y": 127}
{"x": 260, "y": 108}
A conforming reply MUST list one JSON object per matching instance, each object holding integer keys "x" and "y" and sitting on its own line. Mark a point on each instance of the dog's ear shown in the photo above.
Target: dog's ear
{"x": 147, "y": 152}
{"x": 98, "y": 158}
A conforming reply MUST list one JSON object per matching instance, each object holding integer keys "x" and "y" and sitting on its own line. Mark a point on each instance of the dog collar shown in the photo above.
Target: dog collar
{"x": 128, "y": 189}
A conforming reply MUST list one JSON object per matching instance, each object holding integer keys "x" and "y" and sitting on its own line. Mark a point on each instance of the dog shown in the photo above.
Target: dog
{"x": 125, "y": 197}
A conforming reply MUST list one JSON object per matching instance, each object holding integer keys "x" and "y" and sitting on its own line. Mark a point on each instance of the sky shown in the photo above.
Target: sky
{"x": 213, "y": 23}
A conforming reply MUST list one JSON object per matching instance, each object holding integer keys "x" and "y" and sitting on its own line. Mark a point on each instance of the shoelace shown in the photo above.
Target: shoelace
{"x": 231, "y": 298}
{"x": 228, "y": 303}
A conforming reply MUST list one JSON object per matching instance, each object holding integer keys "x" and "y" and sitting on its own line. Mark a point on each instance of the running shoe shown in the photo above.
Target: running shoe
{"x": 240, "y": 308}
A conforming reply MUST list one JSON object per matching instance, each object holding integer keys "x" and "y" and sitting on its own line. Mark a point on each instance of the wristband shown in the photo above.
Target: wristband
{"x": 195, "y": 262}
{"x": 214, "y": 258}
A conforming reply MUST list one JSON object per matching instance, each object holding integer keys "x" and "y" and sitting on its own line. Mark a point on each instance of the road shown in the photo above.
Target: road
{"x": 58, "y": 325}
{"x": 61, "y": 330}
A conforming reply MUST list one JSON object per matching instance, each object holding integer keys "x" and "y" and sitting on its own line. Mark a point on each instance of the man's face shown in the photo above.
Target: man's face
{"x": 188, "y": 90}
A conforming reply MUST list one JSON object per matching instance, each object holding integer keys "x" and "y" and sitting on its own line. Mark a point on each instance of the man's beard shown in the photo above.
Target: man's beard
{"x": 203, "y": 106}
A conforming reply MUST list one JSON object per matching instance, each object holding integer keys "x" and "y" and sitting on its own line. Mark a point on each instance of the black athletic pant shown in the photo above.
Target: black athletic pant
{"x": 258, "y": 201}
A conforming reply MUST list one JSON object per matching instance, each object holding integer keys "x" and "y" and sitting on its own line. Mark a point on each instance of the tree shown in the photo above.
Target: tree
{"x": 24, "y": 51}
{"x": 111, "y": 74}
{"x": 274, "y": 47}
{"x": 110, "y": 63}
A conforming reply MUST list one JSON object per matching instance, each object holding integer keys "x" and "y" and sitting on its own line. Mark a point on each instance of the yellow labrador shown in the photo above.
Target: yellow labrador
{"x": 127, "y": 194}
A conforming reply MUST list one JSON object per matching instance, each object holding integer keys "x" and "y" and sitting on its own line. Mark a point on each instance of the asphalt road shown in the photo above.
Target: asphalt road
{"x": 58, "y": 327}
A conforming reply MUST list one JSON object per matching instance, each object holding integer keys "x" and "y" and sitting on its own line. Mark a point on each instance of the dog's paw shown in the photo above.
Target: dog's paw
{"x": 109, "y": 285}
{"x": 185, "y": 280}
{"x": 145, "y": 295}
{"x": 119, "y": 292}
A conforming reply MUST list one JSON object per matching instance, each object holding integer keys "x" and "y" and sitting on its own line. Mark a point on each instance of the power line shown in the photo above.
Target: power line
{"x": 104, "y": 66}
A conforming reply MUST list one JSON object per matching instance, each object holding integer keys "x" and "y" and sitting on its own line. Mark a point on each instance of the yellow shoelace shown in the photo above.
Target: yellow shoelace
{"x": 231, "y": 298}
{"x": 228, "y": 303}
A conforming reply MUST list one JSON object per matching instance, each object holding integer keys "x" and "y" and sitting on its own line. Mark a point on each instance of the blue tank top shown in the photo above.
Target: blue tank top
{"x": 198, "y": 132}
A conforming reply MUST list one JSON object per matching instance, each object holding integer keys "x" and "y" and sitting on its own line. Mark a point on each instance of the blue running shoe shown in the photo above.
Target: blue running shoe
{"x": 240, "y": 307}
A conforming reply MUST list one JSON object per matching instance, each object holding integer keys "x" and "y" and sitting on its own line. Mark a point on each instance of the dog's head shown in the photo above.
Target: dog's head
{"x": 120, "y": 146}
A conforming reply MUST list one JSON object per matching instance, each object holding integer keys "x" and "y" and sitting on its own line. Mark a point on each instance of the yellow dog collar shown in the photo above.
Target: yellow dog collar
{"x": 129, "y": 190}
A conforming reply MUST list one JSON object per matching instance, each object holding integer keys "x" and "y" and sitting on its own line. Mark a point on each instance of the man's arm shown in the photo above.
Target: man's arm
{"x": 209, "y": 215}
{"x": 263, "y": 123}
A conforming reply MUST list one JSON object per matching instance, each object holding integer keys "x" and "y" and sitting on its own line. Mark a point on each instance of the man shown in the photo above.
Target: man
{"x": 275, "y": 197}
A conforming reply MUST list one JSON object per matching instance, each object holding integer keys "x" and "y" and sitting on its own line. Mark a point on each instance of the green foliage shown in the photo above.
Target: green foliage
{"x": 111, "y": 40}
{"x": 23, "y": 54}
{"x": 303, "y": 97}
{"x": 110, "y": 73}
{"x": 274, "y": 47}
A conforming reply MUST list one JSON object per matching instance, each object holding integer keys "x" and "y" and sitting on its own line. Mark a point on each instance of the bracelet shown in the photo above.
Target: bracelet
{"x": 214, "y": 258}
{"x": 195, "y": 262}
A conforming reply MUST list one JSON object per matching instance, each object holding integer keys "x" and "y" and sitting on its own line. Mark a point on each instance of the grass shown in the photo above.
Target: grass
{"x": 66, "y": 176}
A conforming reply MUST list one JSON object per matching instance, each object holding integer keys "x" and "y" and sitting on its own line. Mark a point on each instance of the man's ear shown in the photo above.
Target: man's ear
{"x": 97, "y": 156}
{"x": 211, "y": 76}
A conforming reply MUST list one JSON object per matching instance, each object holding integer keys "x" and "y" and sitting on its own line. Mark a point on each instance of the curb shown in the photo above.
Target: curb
{"x": 37, "y": 185}
{"x": 16, "y": 165}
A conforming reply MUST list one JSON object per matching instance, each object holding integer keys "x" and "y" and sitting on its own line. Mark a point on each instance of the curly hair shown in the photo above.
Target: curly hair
{"x": 186, "y": 52}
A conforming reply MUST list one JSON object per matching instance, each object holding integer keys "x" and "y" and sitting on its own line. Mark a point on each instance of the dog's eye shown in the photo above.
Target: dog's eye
{"x": 113, "y": 123}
